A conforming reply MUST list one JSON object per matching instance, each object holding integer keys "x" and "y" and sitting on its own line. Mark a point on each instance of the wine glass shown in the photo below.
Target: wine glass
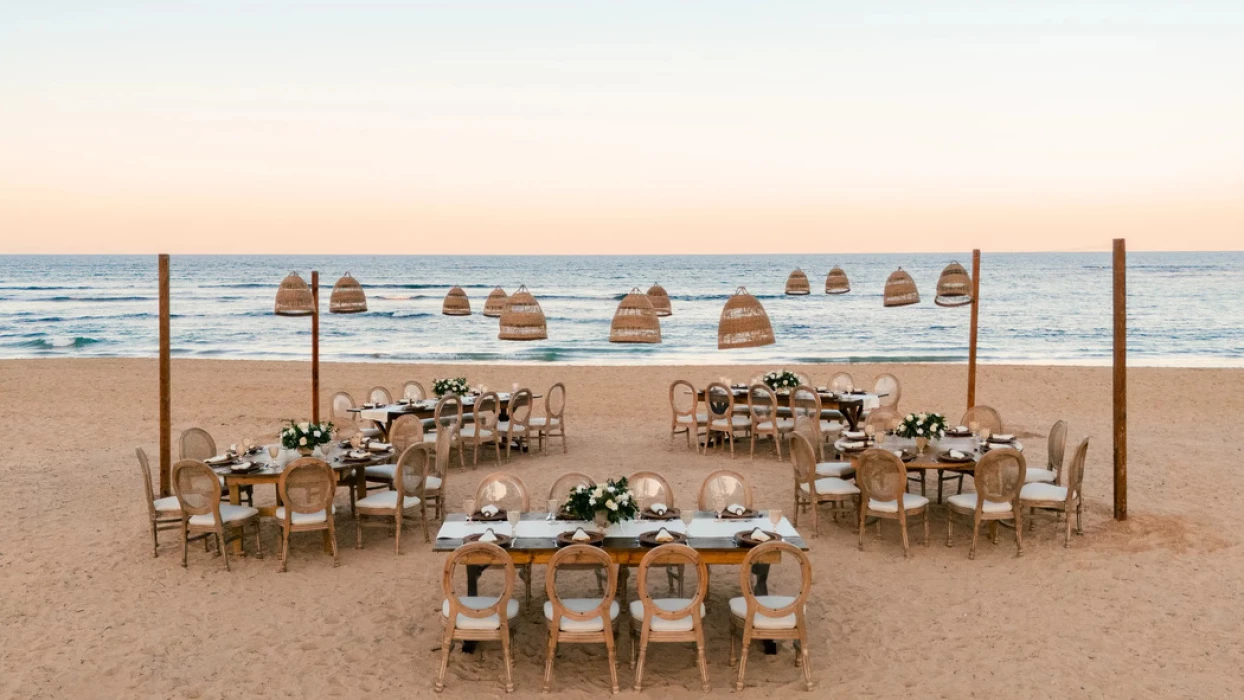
{"x": 870, "y": 431}
{"x": 719, "y": 504}
{"x": 513, "y": 515}
{"x": 985, "y": 431}
{"x": 775, "y": 517}
{"x": 468, "y": 505}
{"x": 974, "y": 426}
{"x": 687, "y": 515}
{"x": 554, "y": 505}
{"x": 274, "y": 450}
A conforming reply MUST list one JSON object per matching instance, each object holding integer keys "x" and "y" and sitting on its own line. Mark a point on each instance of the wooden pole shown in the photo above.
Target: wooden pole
{"x": 1120, "y": 379}
{"x": 166, "y": 400}
{"x": 315, "y": 346}
{"x": 976, "y": 300}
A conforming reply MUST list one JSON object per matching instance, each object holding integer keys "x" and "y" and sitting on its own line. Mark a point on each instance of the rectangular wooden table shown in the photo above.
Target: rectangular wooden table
{"x": 427, "y": 408}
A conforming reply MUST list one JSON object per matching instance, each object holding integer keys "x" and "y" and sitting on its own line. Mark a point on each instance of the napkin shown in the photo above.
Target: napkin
{"x": 853, "y": 445}
{"x": 488, "y": 536}
{"x": 759, "y": 535}
{"x": 658, "y": 508}
{"x": 580, "y": 536}
{"x": 898, "y": 453}
{"x": 1002, "y": 437}
{"x": 217, "y": 459}
{"x": 489, "y": 510}
{"x": 956, "y": 454}
{"x": 664, "y": 535}
{"x": 359, "y": 454}
{"x": 961, "y": 428}
{"x": 379, "y": 446}
{"x": 736, "y": 508}
{"x": 854, "y": 434}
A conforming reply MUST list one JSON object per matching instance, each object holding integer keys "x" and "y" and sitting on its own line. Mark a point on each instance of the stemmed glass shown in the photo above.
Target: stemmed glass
{"x": 870, "y": 432}
{"x": 468, "y": 505}
{"x": 554, "y": 505}
{"x": 513, "y": 515}
{"x": 687, "y": 515}
{"x": 719, "y": 504}
{"x": 274, "y": 450}
{"x": 775, "y": 517}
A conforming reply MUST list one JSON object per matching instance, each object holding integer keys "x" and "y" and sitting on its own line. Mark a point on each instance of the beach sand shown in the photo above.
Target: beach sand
{"x": 1145, "y": 608}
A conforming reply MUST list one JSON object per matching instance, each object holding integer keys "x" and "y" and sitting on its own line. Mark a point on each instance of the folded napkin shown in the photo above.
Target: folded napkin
{"x": 664, "y": 535}
{"x": 956, "y": 454}
{"x": 488, "y": 536}
{"x": 379, "y": 446}
{"x": 961, "y": 428}
{"x": 736, "y": 509}
{"x": 360, "y": 454}
{"x": 853, "y": 445}
{"x": 242, "y": 466}
{"x": 658, "y": 508}
{"x": 218, "y": 459}
{"x": 759, "y": 535}
{"x": 898, "y": 453}
{"x": 1001, "y": 437}
{"x": 490, "y": 510}
{"x": 580, "y": 536}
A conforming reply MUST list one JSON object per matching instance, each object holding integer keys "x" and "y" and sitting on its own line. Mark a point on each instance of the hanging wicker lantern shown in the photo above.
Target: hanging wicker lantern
{"x": 635, "y": 321}
{"x": 836, "y": 282}
{"x": 660, "y": 300}
{"x": 900, "y": 289}
{"x": 348, "y": 297}
{"x": 293, "y": 298}
{"x": 495, "y": 303}
{"x": 797, "y": 284}
{"x": 523, "y": 319}
{"x": 744, "y": 323}
{"x": 954, "y": 287}
{"x": 456, "y": 303}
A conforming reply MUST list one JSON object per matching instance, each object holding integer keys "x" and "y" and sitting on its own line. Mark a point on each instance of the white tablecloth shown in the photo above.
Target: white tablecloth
{"x": 707, "y": 527}
{"x": 458, "y": 529}
{"x": 547, "y": 529}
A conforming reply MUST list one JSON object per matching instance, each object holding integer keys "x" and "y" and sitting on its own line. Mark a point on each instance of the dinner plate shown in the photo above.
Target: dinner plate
{"x": 744, "y": 538}
{"x": 481, "y": 517}
{"x": 649, "y": 539}
{"x": 595, "y": 538}
{"x": 502, "y": 540}
{"x": 669, "y": 514}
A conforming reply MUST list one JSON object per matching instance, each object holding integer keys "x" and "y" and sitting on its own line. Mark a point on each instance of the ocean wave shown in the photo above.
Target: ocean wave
{"x": 92, "y": 299}
{"x": 56, "y": 343}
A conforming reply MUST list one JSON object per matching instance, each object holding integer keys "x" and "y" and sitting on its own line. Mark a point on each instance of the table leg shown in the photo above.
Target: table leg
{"x": 235, "y": 498}
{"x": 360, "y": 483}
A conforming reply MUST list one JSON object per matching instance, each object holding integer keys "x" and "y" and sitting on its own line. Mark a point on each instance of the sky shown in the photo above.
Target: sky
{"x": 620, "y": 127}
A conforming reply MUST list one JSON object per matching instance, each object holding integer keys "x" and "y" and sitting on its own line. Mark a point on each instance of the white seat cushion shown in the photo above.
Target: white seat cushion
{"x": 782, "y": 424}
{"x": 383, "y": 499}
{"x": 838, "y": 469}
{"x": 967, "y": 501}
{"x": 469, "y": 431}
{"x": 541, "y": 421}
{"x": 1037, "y": 474}
{"x": 688, "y": 420}
{"x": 738, "y": 608}
{"x": 382, "y": 470}
{"x": 228, "y": 513}
{"x": 832, "y": 486}
{"x": 660, "y": 624}
{"x": 831, "y": 426}
{"x": 911, "y": 501}
{"x": 371, "y": 432}
{"x": 1041, "y": 491}
{"x": 504, "y": 427}
{"x": 735, "y": 422}
{"x": 168, "y": 504}
{"x": 307, "y": 518}
{"x": 581, "y": 605}
{"x": 434, "y": 483}
{"x": 480, "y": 623}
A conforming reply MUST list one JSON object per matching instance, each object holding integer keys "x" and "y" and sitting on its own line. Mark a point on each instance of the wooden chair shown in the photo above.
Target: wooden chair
{"x": 840, "y": 382}
{"x": 1061, "y": 499}
{"x": 196, "y": 444}
{"x": 581, "y": 620}
{"x": 307, "y": 487}
{"x": 517, "y": 429}
{"x": 447, "y": 416}
{"x": 762, "y": 411}
{"x": 163, "y": 513}
{"x": 669, "y": 619}
{"x": 560, "y": 490}
{"x": 985, "y": 417}
{"x": 686, "y": 418}
{"x": 882, "y": 478}
{"x": 404, "y": 432}
{"x": 771, "y": 617}
{"x": 999, "y": 477}
{"x": 348, "y": 423}
{"x": 477, "y": 618}
{"x": 484, "y": 430}
{"x": 380, "y": 395}
{"x": 1056, "y": 449}
{"x": 403, "y": 501}
{"x": 807, "y": 427}
{"x": 437, "y": 478}
{"x": 888, "y": 390}
{"x": 507, "y": 492}
{"x": 414, "y": 391}
{"x": 810, "y": 490}
{"x": 719, "y": 400}
{"x": 805, "y": 402}
{"x": 730, "y": 486}
{"x": 884, "y": 419}
{"x": 553, "y": 423}
{"x": 648, "y": 488}
{"x": 202, "y": 513}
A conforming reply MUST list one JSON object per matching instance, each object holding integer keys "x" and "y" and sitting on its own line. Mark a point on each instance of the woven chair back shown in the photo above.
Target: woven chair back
{"x": 1056, "y": 446}
{"x": 888, "y": 390}
{"x": 197, "y": 487}
{"x": 804, "y": 401}
{"x": 307, "y": 486}
{"x": 339, "y": 408}
{"x": 560, "y": 490}
{"x": 650, "y": 487}
{"x": 999, "y": 476}
{"x": 766, "y": 553}
{"x": 730, "y": 486}
{"x": 413, "y": 468}
{"x": 683, "y": 400}
{"x": 487, "y": 410}
{"x": 881, "y": 475}
{"x": 761, "y": 403}
{"x": 884, "y": 419}
{"x": 668, "y": 555}
{"x": 414, "y": 391}
{"x": 520, "y": 407}
{"x": 406, "y": 431}
{"x": 145, "y": 466}
{"x": 380, "y": 395}
{"x": 803, "y": 455}
{"x": 555, "y": 401}
{"x": 1075, "y": 471}
{"x": 503, "y": 490}
{"x": 448, "y": 413}
{"x": 720, "y": 401}
{"x": 196, "y": 443}
{"x": 984, "y": 417}
{"x": 840, "y": 382}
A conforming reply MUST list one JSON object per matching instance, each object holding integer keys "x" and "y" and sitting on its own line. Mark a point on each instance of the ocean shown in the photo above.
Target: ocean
{"x": 1184, "y": 309}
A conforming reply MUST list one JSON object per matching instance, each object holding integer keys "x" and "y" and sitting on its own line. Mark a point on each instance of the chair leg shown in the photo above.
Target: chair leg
{"x": 332, "y": 540}
{"x": 548, "y": 659}
{"x": 803, "y": 656}
{"x": 976, "y": 526}
{"x": 950, "y": 527}
{"x": 155, "y": 540}
{"x": 734, "y": 658}
{"x": 863, "y": 518}
{"x": 903, "y": 526}
{"x": 643, "y": 655}
{"x": 1019, "y": 532}
{"x": 258, "y": 540}
{"x": 397, "y": 532}
{"x": 613, "y": 659}
{"x": 1079, "y": 525}
{"x": 358, "y": 530}
{"x": 926, "y": 526}
{"x": 702, "y": 661}
{"x": 284, "y": 549}
{"x": 939, "y": 485}
{"x": 509, "y": 662}
{"x": 220, "y": 546}
{"x": 745, "y": 643}
{"x": 185, "y": 541}
{"x": 1067, "y": 537}
{"x": 447, "y": 645}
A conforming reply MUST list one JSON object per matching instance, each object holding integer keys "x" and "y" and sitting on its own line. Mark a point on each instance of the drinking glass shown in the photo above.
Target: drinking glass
{"x": 985, "y": 431}
{"x": 514, "y": 388}
{"x": 273, "y": 451}
{"x": 719, "y": 505}
{"x": 775, "y": 517}
{"x": 870, "y": 431}
{"x": 468, "y": 505}
{"x": 687, "y": 516}
{"x": 974, "y": 427}
{"x": 513, "y": 515}
{"x": 554, "y": 505}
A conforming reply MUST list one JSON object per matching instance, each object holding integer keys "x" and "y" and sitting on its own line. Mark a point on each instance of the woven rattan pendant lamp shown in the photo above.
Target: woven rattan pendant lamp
{"x": 456, "y": 303}
{"x": 660, "y": 300}
{"x": 495, "y": 303}
{"x": 523, "y": 319}
{"x": 293, "y": 297}
{"x": 635, "y": 321}
{"x": 348, "y": 297}
{"x": 797, "y": 283}
{"x": 744, "y": 323}
{"x": 954, "y": 287}
{"x": 836, "y": 282}
{"x": 900, "y": 289}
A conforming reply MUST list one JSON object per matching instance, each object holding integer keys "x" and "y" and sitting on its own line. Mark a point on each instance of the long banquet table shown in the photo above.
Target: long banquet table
{"x": 424, "y": 408}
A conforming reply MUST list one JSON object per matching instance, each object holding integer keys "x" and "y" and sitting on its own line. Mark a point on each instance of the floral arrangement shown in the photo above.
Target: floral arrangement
{"x": 612, "y": 499}
{"x": 306, "y": 435}
{"x": 452, "y": 385}
{"x": 922, "y": 425}
{"x": 785, "y": 379}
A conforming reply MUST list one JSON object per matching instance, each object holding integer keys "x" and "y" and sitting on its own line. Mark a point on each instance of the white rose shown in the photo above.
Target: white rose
{"x": 611, "y": 489}
{"x": 591, "y": 501}
{"x": 624, "y": 498}
{"x": 316, "y": 433}
{"x": 920, "y": 431}
{"x": 611, "y": 505}
{"x": 302, "y": 441}
{"x": 599, "y": 492}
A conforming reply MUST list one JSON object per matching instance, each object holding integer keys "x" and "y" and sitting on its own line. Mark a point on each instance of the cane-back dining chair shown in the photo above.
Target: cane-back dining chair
{"x": 203, "y": 515}
{"x": 553, "y": 423}
{"x": 484, "y": 430}
{"x": 812, "y": 490}
{"x": 722, "y": 420}
{"x": 405, "y": 431}
{"x": 1056, "y": 449}
{"x": 516, "y": 430}
{"x": 888, "y": 390}
{"x": 560, "y": 490}
{"x": 506, "y": 492}
{"x": 840, "y": 382}
{"x": 414, "y": 391}
{"x": 999, "y": 477}
{"x": 1060, "y": 499}
{"x": 307, "y": 487}
{"x": 581, "y": 620}
{"x": 380, "y": 395}
{"x": 727, "y": 486}
{"x": 984, "y": 417}
{"x": 771, "y": 617}
{"x": 669, "y": 619}
{"x": 478, "y": 618}
{"x": 686, "y": 416}
{"x": 882, "y": 478}
{"x": 762, "y": 410}
{"x": 806, "y": 426}
{"x": 163, "y": 513}
{"x": 405, "y": 500}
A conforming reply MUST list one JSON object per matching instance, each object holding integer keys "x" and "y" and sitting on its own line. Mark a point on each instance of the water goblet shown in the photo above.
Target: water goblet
{"x": 985, "y": 431}
{"x": 775, "y": 517}
{"x": 273, "y": 451}
{"x": 513, "y": 516}
{"x": 554, "y": 505}
{"x": 719, "y": 505}
{"x": 870, "y": 431}
{"x": 974, "y": 427}
{"x": 687, "y": 515}
{"x": 468, "y": 505}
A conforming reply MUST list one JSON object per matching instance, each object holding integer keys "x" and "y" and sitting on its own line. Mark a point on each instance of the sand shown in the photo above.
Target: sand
{"x": 1145, "y": 608}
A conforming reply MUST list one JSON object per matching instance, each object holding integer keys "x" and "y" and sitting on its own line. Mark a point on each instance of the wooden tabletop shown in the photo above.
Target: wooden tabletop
{"x": 426, "y": 408}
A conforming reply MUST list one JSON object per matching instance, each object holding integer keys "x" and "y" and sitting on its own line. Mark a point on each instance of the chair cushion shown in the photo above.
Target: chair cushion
{"x": 371, "y": 432}
{"x": 168, "y": 504}
{"x": 1037, "y": 474}
{"x": 967, "y": 501}
{"x": 832, "y": 486}
{"x": 738, "y": 608}
{"x": 660, "y": 624}
{"x": 307, "y": 518}
{"x": 838, "y": 469}
{"x": 504, "y": 427}
{"x": 782, "y": 424}
{"x": 831, "y": 426}
{"x": 469, "y": 431}
{"x": 383, "y": 499}
{"x": 433, "y": 484}
{"x": 228, "y": 513}
{"x": 382, "y": 470}
{"x": 735, "y": 422}
{"x": 581, "y": 605}
{"x": 480, "y": 623}
{"x": 911, "y": 501}
{"x": 542, "y": 421}
{"x": 687, "y": 420}
{"x": 1040, "y": 491}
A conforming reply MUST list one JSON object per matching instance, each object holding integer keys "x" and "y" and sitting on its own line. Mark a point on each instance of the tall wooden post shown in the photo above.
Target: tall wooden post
{"x": 976, "y": 300}
{"x": 1120, "y": 379}
{"x": 166, "y": 399}
{"x": 315, "y": 346}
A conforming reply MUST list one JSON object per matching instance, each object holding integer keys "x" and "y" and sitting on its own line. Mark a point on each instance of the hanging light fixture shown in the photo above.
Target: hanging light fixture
{"x": 293, "y": 297}
{"x": 954, "y": 287}
{"x": 900, "y": 289}
{"x": 495, "y": 303}
{"x": 456, "y": 303}
{"x": 348, "y": 297}
{"x": 744, "y": 323}
{"x": 523, "y": 319}
{"x": 836, "y": 282}
{"x": 660, "y": 300}
{"x": 635, "y": 321}
{"x": 797, "y": 283}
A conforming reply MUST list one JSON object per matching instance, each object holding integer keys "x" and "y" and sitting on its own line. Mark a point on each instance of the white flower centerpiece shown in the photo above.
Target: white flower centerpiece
{"x": 610, "y": 502}
{"x": 922, "y": 427}
{"x": 781, "y": 380}
{"x": 305, "y": 437}
{"x": 456, "y": 386}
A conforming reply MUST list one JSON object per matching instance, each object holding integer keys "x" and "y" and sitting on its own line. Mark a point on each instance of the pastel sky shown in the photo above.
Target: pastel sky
{"x": 620, "y": 127}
